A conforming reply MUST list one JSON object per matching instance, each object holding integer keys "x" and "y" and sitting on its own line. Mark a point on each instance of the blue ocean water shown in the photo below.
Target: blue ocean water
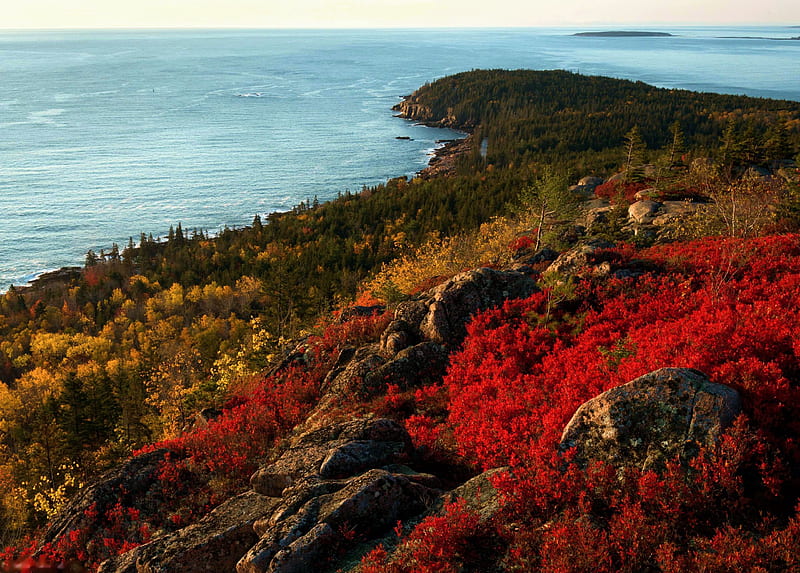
{"x": 106, "y": 134}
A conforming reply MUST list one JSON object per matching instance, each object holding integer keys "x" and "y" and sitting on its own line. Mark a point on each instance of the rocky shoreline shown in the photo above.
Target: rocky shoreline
{"x": 445, "y": 158}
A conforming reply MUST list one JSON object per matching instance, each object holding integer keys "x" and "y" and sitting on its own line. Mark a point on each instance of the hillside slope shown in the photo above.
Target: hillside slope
{"x": 274, "y": 434}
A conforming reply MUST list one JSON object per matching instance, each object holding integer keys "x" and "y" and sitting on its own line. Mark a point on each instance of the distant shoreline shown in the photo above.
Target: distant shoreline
{"x": 757, "y": 38}
{"x": 624, "y": 34}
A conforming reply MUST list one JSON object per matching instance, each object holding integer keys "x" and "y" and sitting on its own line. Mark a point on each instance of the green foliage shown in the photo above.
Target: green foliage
{"x": 634, "y": 155}
{"x": 579, "y": 122}
{"x": 550, "y": 205}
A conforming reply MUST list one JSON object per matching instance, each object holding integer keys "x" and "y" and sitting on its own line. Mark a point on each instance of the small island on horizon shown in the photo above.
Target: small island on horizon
{"x": 624, "y": 34}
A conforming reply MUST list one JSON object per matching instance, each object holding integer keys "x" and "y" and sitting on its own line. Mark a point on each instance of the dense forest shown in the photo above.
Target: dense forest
{"x": 131, "y": 348}
{"x": 580, "y": 121}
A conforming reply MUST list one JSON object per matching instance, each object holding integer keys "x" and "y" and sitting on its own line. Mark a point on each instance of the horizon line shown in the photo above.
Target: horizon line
{"x": 620, "y": 26}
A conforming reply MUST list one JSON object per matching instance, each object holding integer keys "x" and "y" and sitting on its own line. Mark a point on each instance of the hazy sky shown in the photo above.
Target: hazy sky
{"x": 387, "y": 13}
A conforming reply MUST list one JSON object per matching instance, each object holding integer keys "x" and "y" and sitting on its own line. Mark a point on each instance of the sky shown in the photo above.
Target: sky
{"x": 388, "y": 13}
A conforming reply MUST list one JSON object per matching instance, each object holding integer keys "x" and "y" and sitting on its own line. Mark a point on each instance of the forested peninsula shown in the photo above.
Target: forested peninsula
{"x": 572, "y": 345}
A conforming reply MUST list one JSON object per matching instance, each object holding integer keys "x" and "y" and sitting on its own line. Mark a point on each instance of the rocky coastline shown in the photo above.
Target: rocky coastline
{"x": 445, "y": 158}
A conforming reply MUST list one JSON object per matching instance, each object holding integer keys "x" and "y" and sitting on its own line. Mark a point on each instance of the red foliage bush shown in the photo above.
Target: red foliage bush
{"x": 730, "y": 308}
{"x": 620, "y": 192}
{"x": 522, "y": 243}
{"x": 439, "y": 544}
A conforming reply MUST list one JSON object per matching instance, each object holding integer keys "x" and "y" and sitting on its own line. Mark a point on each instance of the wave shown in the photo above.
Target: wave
{"x": 25, "y": 280}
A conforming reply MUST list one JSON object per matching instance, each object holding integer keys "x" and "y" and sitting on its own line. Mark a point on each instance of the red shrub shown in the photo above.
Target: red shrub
{"x": 440, "y": 544}
{"x": 729, "y": 308}
{"x": 619, "y": 191}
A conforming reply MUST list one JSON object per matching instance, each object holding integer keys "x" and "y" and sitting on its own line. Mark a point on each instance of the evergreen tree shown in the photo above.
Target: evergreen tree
{"x": 678, "y": 145}
{"x": 634, "y": 154}
{"x": 91, "y": 259}
{"x": 549, "y": 203}
{"x": 730, "y": 147}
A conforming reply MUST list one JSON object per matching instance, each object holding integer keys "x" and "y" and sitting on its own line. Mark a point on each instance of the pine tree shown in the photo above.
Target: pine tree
{"x": 634, "y": 154}
{"x": 678, "y": 145}
{"x": 91, "y": 259}
{"x": 730, "y": 147}
{"x": 549, "y": 203}
{"x": 776, "y": 145}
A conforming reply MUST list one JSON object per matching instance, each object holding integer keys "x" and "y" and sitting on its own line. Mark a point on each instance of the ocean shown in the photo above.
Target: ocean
{"x": 108, "y": 134}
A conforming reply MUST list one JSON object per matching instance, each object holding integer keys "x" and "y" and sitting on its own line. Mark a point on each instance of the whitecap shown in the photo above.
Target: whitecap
{"x": 46, "y": 116}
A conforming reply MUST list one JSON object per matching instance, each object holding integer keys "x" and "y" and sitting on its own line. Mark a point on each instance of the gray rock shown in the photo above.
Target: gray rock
{"x": 441, "y": 314}
{"x": 479, "y": 494}
{"x": 365, "y": 506}
{"x": 354, "y": 457}
{"x": 577, "y": 259}
{"x": 644, "y": 211}
{"x": 590, "y": 182}
{"x": 215, "y": 543}
{"x": 422, "y": 363}
{"x": 308, "y": 552}
{"x": 349, "y": 379}
{"x": 644, "y": 423}
{"x": 339, "y": 450}
{"x": 397, "y": 336}
{"x": 648, "y": 193}
{"x": 675, "y": 211}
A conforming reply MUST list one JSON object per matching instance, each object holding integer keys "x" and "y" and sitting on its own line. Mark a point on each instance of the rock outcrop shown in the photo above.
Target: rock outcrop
{"x": 215, "y": 543}
{"x": 578, "y": 259}
{"x": 668, "y": 413}
{"x": 644, "y": 211}
{"x": 333, "y": 452}
{"x": 335, "y": 484}
{"x": 441, "y": 314}
{"x": 414, "y": 348}
{"x": 133, "y": 478}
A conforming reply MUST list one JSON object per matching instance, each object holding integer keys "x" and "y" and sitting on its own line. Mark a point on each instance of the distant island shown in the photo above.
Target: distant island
{"x": 624, "y": 34}
{"x": 756, "y": 38}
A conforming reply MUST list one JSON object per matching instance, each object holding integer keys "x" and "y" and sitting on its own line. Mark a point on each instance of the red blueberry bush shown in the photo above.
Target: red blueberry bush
{"x": 730, "y": 308}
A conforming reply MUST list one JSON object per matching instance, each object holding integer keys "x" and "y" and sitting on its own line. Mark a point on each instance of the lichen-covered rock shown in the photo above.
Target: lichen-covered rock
{"x": 590, "y": 181}
{"x": 441, "y": 314}
{"x": 422, "y": 363}
{"x": 668, "y": 413}
{"x": 356, "y": 456}
{"x": 347, "y": 380}
{"x": 643, "y": 211}
{"x": 309, "y": 552}
{"x": 314, "y": 517}
{"x": 646, "y": 194}
{"x": 339, "y": 450}
{"x": 215, "y": 543}
{"x": 674, "y": 211}
{"x": 479, "y": 494}
{"x": 577, "y": 259}
{"x": 397, "y": 336}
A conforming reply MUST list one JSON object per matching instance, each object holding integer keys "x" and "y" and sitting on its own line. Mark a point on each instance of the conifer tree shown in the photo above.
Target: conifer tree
{"x": 549, "y": 203}
{"x": 634, "y": 154}
{"x": 678, "y": 145}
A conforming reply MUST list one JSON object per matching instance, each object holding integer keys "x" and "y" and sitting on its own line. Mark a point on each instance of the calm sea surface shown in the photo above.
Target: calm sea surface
{"x": 104, "y": 135}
